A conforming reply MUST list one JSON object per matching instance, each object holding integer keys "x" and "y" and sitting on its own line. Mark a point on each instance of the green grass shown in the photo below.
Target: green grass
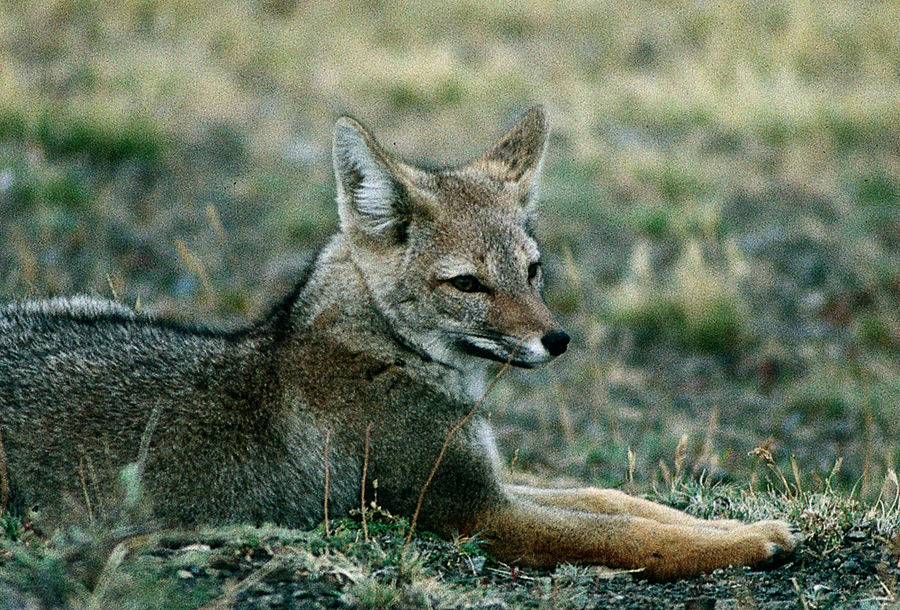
{"x": 244, "y": 565}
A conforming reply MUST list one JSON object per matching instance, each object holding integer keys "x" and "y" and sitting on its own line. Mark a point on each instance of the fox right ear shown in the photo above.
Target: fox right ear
{"x": 370, "y": 198}
{"x": 516, "y": 158}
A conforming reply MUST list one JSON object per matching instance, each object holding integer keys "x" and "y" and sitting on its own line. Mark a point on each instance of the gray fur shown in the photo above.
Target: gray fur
{"x": 240, "y": 418}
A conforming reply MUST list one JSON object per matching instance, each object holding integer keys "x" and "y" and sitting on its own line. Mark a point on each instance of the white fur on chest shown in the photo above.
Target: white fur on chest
{"x": 474, "y": 383}
{"x": 486, "y": 440}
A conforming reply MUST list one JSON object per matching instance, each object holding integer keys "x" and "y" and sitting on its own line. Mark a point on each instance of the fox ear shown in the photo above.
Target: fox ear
{"x": 370, "y": 198}
{"x": 516, "y": 158}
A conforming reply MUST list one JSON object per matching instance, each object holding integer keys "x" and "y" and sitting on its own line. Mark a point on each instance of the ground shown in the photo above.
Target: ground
{"x": 844, "y": 561}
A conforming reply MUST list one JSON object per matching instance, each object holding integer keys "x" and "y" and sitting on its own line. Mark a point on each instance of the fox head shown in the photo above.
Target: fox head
{"x": 449, "y": 256}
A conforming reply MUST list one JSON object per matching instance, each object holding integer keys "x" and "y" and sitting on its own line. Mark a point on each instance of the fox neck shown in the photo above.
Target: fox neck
{"x": 338, "y": 300}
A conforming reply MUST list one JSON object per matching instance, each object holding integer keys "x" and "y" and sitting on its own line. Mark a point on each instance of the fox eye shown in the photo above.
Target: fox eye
{"x": 467, "y": 283}
{"x": 533, "y": 270}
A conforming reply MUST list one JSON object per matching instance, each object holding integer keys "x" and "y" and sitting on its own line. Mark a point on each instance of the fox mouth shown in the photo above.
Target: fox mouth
{"x": 482, "y": 349}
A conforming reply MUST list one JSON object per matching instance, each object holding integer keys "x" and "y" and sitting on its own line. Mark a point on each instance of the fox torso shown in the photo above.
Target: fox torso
{"x": 234, "y": 424}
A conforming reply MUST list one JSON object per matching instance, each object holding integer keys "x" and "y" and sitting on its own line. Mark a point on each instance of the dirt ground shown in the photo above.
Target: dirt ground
{"x": 861, "y": 573}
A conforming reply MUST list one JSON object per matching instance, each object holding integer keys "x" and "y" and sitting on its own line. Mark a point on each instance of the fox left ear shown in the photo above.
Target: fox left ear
{"x": 516, "y": 158}
{"x": 371, "y": 198}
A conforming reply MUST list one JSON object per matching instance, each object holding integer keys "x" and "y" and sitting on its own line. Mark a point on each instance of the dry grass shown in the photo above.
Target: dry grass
{"x": 449, "y": 438}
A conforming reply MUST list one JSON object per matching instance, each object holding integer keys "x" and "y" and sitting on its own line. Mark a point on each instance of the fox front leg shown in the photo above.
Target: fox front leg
{"x": 523, "y": 532}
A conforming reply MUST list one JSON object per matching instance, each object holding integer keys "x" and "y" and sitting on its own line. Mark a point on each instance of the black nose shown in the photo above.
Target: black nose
{"x": 555, "y": 342}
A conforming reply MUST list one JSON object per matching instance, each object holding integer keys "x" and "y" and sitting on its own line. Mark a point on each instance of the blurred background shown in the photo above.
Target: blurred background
{"x": 721, "y": 201}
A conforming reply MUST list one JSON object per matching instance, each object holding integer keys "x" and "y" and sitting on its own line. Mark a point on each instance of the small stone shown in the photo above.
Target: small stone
{"x": 280, "y": 574}
{"x": 224, "y": 562}
{"x": 385, "y": 574}
{"x": 477, "y": 564}
{"x": 184, "y": 574}
{"x": 271, "y": 601}
{"x": 492, "y": 603}
{"x": 262, "y": 588}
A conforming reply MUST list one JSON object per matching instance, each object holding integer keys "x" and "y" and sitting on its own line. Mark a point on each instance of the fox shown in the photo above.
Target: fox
{"x": 368, "y": 374}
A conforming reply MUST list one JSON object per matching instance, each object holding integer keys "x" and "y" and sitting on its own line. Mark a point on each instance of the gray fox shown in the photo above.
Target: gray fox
{"x": 433, "y": 274}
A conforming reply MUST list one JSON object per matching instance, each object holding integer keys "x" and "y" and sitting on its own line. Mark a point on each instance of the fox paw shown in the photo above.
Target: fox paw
{"x": 778, "y": 538}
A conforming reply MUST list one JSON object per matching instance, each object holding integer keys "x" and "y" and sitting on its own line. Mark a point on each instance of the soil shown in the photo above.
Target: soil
{"x": 861, "y": 573}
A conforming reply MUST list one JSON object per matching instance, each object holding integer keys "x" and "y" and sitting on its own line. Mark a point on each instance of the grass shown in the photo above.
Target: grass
{"x": 719, "y": 209}
{"x": 217, "y": 567}
{"x": 340, "y": 566}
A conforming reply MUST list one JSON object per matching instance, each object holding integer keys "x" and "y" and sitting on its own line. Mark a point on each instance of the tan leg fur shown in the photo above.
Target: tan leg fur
{"x": 615, "y": 502}
{"x": 541, "y": 528}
